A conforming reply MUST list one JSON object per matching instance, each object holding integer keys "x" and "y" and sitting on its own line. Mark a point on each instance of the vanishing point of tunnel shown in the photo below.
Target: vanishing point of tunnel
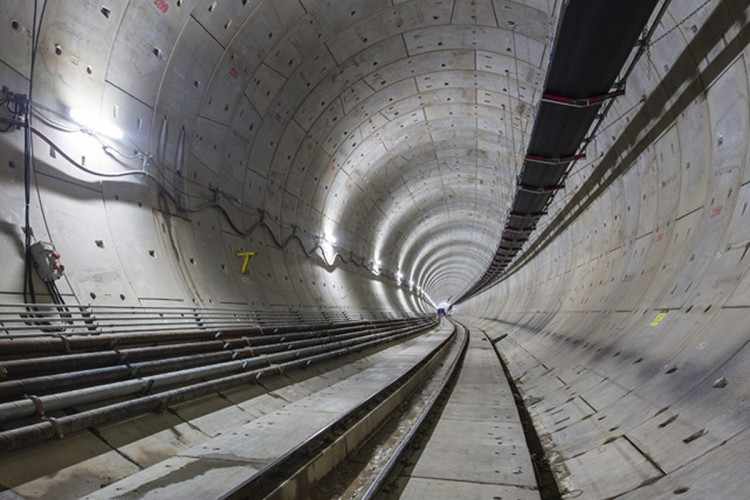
{"x": 375, "y": 249}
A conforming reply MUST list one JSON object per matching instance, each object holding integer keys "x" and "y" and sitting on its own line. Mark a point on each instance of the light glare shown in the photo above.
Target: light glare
{"x": 90, "y": 121}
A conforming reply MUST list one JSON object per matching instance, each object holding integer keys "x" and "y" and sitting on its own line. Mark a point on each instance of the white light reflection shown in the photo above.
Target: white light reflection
{"x": 90, "y": 121}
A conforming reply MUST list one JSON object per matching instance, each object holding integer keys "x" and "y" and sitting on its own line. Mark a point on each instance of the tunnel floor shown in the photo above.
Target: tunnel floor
{"x": 280, "y": 437}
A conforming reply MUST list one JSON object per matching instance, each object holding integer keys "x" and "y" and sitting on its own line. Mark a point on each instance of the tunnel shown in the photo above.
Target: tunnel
{"x": 420, "y": 249}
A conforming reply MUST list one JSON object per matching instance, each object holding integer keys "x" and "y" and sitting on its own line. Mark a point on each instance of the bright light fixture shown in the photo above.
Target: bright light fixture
{"x": 399, "y": 275}
{"x": 92, "y": 122}
{"x": 326, "y": 245}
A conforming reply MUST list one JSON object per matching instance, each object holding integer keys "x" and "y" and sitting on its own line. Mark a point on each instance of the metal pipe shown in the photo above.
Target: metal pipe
{"x": 67, "y": 343}
{"x": 59, "y": 427}
{"x": 121, "y": 370}
{"x": 36, "y": 405}
{"x": 112, "y": 354}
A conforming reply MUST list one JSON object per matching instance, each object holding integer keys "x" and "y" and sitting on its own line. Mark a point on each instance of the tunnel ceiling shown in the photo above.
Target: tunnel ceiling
{"x": 394, "y": 127}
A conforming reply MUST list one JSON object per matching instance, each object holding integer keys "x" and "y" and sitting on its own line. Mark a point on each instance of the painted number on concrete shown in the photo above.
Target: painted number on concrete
{"x": 246, "y": 256}
{"x": 658, "y": 319}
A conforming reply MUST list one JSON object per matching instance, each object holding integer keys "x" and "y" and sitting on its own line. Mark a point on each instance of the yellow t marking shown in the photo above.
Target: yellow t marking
{"x": 246, "y": 260}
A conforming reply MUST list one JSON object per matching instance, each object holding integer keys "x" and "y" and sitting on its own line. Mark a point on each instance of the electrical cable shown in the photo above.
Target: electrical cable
{"x": 81, "y": 167}
{"x": 29, "y": 131}
{"x": 215, "y": 205}
{"x": 28, "y": 288}
{"x": 108, "y": 149}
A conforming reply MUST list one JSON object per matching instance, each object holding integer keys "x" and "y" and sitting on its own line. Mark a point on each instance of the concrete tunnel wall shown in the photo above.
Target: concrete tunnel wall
{"x": 366, "y": 123}
{"x": 629, "y": 333}
{"x": 371, "y": 125}
{"x": 397, "y": 128}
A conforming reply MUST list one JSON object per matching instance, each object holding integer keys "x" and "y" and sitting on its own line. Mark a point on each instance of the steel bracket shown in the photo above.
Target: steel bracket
{"x": 582, "y": 102}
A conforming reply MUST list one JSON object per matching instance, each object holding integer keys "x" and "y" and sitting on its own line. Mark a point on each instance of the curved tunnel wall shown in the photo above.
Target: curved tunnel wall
{"x": 628, "y": 334}
{"x": 356, "y": 128}
{"x": 303, "y": 119}
{"x": 396, "y": 128}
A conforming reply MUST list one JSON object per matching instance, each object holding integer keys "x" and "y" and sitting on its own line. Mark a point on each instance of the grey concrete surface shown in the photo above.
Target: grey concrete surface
{"x": 390, "y": 132}
{"x": 477, "y": 448}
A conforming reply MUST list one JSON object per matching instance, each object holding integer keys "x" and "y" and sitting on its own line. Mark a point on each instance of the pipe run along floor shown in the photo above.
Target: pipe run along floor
{"x": 216, "y": 467}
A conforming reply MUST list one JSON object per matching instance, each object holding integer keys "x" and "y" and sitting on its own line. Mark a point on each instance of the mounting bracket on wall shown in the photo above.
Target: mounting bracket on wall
{"x": 582, "y": 102}
{"x": 539, "y": 189}
{"x": 554, "y": 161}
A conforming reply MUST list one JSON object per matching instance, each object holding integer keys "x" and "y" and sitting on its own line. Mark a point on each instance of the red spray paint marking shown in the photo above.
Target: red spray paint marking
{"x": 234, "y": 72}
{"x": 715, "y": 211}
{"x": 162, "y": 5}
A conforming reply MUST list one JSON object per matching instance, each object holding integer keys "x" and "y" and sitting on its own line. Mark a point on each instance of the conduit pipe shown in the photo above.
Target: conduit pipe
{"x": 36, "y": 405}
{"x": 59, "y": 427}
{"x": 74, "y": 342}
{"x": 125, "y": 369}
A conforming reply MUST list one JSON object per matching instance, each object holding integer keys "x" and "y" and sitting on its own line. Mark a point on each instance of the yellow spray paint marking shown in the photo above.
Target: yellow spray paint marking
{"x": 246, "y": 260}
{"x": 658, "y": 319}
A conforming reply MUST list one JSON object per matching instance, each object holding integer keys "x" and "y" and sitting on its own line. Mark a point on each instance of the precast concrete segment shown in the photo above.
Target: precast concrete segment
{"x": 219, "y": 466}
{"x": 593, "y": 43}
{"x": 354, "y": 121}
{"x": 478, "y": 447}
{"x": 627, "y": 333}
{"x": 262, "y": 121}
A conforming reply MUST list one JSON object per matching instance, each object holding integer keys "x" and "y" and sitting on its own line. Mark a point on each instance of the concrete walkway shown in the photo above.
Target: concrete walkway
{"x": 478, "y": 449}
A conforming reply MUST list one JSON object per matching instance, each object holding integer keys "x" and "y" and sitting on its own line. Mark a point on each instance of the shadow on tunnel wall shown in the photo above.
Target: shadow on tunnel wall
{"x": 628, "y": 334}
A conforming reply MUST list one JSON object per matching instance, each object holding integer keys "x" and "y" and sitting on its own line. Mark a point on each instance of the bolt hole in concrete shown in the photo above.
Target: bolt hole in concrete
{"x": 692, "y": 437}
{"x": 668, "y": 421}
